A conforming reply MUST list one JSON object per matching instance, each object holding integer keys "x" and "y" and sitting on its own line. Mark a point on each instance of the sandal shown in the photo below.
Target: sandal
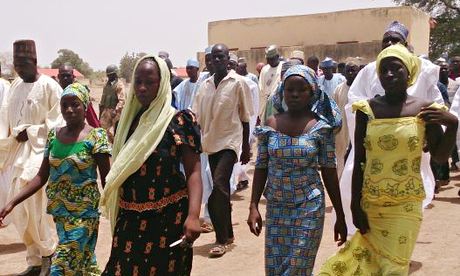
{"x": 217, "y": 251}
{"x": 206, "y": 227}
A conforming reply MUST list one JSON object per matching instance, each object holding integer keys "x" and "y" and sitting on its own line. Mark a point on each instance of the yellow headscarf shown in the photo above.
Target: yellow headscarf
{"x": 129, "y": 155}
{"x": 400, "y": 52}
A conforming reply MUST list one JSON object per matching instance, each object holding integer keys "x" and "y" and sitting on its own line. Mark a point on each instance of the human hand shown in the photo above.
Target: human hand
{"x": 255, "y": 221}
{"x": 340, "y": 231}
{"x": 433, "y": 115}
{"x": 22, "y": 136}
{"x": 192, "y": 229}
{"x": 245, "y": 154}
{"x": 360, "y": 219}
{"x": 5, "y": 211}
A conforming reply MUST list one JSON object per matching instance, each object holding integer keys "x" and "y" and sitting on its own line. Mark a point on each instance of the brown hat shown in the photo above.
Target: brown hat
{"x": 24, "y": 48}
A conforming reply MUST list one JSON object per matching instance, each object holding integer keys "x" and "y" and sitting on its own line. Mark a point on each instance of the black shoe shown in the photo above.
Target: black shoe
{"x": 31, "y": 271}
{"x": 242, "y": 185}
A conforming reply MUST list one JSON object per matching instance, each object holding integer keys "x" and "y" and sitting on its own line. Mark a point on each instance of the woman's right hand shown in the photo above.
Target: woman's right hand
{"x": 360, "y": 219}
{"x": 255, "y": 221}
{"x": 5, "y": 211}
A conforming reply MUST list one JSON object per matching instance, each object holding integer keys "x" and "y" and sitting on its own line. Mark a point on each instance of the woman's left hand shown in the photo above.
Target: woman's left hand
{"x": 192, "y": 229}
{"x": 340, "y": 231}
{"x": 433, "y": 115}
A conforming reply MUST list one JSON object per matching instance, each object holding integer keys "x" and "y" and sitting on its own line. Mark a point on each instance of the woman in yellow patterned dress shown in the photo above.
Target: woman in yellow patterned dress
{"x": 387, "y": 189}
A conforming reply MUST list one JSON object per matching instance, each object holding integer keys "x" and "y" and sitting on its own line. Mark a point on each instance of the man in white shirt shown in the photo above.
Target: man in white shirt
{"x": 270, "y": 76}
{"x": 186, "y": 90}
{"x": 329, "y": 81}
{"x": 33, "y": 110}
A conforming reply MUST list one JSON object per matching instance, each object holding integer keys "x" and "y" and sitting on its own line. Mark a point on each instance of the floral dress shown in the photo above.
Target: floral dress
{"x": 73, "y": 200}
{"x": 153, "y": 208}
{"x": 392, "y": 196}
{"x": 295, "y": 196}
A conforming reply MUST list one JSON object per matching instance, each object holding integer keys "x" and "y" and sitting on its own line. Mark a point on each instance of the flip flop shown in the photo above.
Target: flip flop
{"x": 206, "y": 228}
{"x": 217, "y": 251}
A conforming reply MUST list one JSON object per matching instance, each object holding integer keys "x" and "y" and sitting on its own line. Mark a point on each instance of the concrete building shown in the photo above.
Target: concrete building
{"x": 337, "y": 34}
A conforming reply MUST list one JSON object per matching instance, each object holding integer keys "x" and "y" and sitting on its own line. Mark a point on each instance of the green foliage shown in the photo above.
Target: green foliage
{"x": 68, "y": 56}
{"x": 444, "y": 38}
{"x": 127, "y": 63}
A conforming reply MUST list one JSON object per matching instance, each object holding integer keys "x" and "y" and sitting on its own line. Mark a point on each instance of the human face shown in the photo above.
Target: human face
{"x": 392, "y": 38}
{"x": 393, "y": 75}
{"x": 297, "y": 93}
{"x": 65, "y": 77}
{"x": 208, "y": 62}
{"x": 242, "y": 69}
{"x": 111, "y": 77}
{"x": 443, "y": 71}
{"x": 273, "y": 61}
{"x": 455, "y": 64}
{"x": 26, "y": 68}
{"x": 192, "y": 72}
{"x": 146, "y": 82}
{"x": 328, "y": 72}
{"x": 350, "y": 73}
{"x": 313, "y": 64}
{"x": 73, "y": 110}
{"x": 219, "y": 58}
{"x": 232, "y": 65}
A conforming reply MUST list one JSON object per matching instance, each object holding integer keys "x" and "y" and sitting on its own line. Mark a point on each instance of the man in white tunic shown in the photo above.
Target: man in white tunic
{"x": 33, "y": 109}
{"x": 269, "y": 77}
{"x": 329, "y": 81}
{"x": 366, "y": 86}
{"x": 186, "y": 90}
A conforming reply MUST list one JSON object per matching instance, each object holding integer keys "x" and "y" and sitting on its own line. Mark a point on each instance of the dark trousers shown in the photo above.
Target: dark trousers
{"x": 440, "y": 171}
{"x": 221, "y": 164}
{"x": 455, "y": 156}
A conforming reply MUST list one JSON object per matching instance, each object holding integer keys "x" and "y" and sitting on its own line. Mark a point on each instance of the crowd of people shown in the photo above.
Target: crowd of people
{"x": 378, "y": 137}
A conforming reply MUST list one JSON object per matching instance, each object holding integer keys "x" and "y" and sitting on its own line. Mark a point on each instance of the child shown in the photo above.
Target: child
{"x": 71, "y": 156}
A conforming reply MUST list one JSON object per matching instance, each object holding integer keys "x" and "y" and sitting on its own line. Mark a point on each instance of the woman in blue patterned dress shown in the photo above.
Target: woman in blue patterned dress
{"x": 291, "y": 147}
{"x": 72, "y": 154}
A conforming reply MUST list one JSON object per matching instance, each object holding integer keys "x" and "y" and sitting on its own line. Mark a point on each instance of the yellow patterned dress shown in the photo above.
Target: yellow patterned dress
{"x": 392, "y": 198}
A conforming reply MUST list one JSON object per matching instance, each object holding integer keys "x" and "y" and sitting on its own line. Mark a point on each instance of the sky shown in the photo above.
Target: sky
{"x": 102, "y": 31}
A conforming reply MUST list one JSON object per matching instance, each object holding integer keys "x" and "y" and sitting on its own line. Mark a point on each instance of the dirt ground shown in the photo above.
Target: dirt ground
{"x": 436, "y": 252}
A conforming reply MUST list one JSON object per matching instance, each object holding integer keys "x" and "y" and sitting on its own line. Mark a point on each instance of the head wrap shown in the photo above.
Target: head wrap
{"x": 271, "y": 51}
{"x": 325, "y": 108}
{"x": 297, "y": 54}
{"x": 78, "y": 90}
{"x": 24, "y": 49}
{"x": 130, "y": 154}
{"x": 233, "y": 57}
{"x": 327, "y": 63}
{"x": 398, "y": 28}
{"x": 409, "y": 60}
{"x": 193, "y": 63}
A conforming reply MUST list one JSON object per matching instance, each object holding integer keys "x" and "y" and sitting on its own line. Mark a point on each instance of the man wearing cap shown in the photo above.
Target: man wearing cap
{"x": 186, "y": 90}
{"x": 329, "y": 81}
{"x": 112, "y": 100}
{"x": 33, "y": 110}
{"x": 223, "y": 106}
{"x": 366, "y": 86}
{"x": 340, "y": 96}
{"x": 269, "y": 76}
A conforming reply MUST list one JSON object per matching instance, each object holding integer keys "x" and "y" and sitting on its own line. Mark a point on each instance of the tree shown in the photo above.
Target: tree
{"x": 68, "y": 56}
{"x": 446, "y": 22}
{"x": 127, "y": 63}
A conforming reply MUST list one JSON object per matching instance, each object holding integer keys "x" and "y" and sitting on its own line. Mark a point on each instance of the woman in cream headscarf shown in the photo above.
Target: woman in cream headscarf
{"x": 150, "y": 203}
{"x": 387, "y": 188}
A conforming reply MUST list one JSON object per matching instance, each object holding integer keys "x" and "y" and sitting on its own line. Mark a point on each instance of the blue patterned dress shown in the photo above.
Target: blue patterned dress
{"x": 295, "y": 196}
{"x": 73, "y": 200}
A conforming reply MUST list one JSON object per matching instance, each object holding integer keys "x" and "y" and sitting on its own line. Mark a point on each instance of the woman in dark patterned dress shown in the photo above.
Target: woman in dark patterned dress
{"x": 150, "y": 203}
